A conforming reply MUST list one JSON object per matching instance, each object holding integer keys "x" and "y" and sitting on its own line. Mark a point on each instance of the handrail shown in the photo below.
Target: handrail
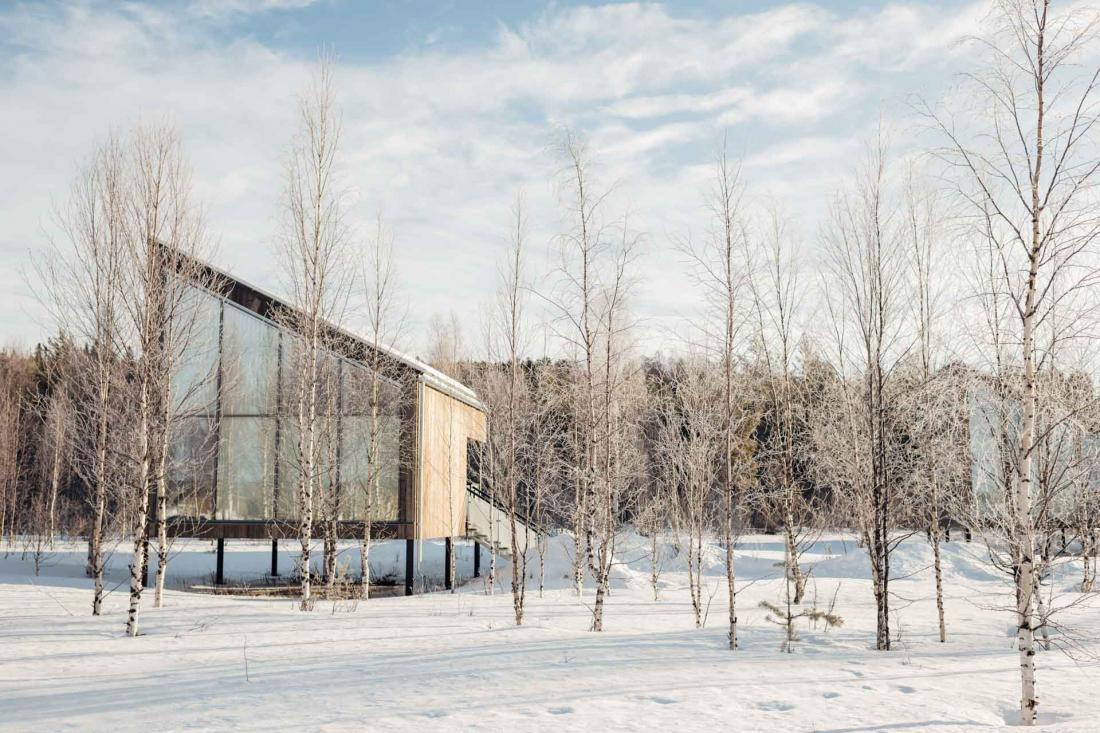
{"x": 521, "y": 515}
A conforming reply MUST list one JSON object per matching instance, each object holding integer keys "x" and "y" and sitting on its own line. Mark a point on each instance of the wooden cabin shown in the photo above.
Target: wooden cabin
{"x": 234, "y": 450}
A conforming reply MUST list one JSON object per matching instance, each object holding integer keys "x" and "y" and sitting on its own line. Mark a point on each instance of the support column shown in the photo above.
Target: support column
{"x": 410, "y": 566}
{"x": 219, "y": 574}
{"x": 477, "y": 559}
{"x": 274, "y": 558}
{"x": 448, "y": 563}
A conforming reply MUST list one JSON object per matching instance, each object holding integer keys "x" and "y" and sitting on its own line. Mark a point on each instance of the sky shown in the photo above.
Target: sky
{"x": 450, "y": 108}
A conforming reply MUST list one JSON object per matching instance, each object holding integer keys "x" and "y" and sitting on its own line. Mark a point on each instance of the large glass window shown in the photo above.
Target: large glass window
{"x": 362, "y": 478}
{"x": 288, "y": 374}
{"x": 250, "y": 363}
{"x": 290, "y": 471}
{"x": 287, "y": 504}
{"x": 246, "y": 468}
{"x": 194, "y": 381}
{"x": 191, "y": 468}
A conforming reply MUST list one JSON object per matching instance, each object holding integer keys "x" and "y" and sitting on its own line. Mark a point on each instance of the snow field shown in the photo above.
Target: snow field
{"x": 443, "y": 661}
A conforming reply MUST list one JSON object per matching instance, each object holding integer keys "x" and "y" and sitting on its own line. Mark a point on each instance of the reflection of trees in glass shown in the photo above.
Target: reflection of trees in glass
{"x": 194, "y": 383}
{"x": 287, "y": 499}
{"x": 991, "y": 434}
{"x": 246, "y": 468}
{"x": 355, "y": 469}
{"x": 191, "y": 468}
{"x": 256, "y": 474}
{"x": 371, "y": 482}
{"x": 1061, "y": 467}
{"x": 250, "y": 348}
{"x": 289, "y": 469}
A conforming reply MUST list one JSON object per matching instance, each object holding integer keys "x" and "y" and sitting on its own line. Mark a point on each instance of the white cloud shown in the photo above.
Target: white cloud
{"x": 800, "y": 151}
{"x": 441, "y": 139}
{"x": 220, "y": 8}
{"x": 642, "y": 107}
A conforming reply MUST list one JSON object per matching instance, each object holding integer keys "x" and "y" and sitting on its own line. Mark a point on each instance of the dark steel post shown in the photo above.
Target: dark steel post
{"x": 410, "y": 565}
{"x": 274, "y": 558}
{"x": 477, "y": 559}
{"x": 448, "y": 562}
{"x": 219, "y": 575}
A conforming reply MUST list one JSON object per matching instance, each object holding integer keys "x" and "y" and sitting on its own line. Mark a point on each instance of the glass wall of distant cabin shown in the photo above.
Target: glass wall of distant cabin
{"x": 1065, "y": 465}
{"x": 234, "y": 444}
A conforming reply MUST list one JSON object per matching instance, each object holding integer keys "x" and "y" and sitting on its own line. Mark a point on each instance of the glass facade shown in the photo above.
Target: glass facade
{"x": 234, "y": 449}
{"x": 250, "y": 364}
{"x": 192, "y": 451}
{"x": 194, "y": 381}
{"x": 361, "y": 484}
{"x": 246, "y": 468}
{"x": 1061, "y": 452}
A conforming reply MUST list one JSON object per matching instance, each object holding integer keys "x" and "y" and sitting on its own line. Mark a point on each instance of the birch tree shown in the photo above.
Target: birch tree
{"x": 314, "y": 242}
{"x": 595, "y": 277}
{"x": 581, "y": 252}
{"x": 690, "y": 449}
{"x": 921, "y": 222}
{"x": 1025, "y": 162}
{"x": 82, "y": 275}
{"x": 776, "y": 300}
{"x": 165, "y": 243}
{"x": 384, "y": 390}
{"x": 616, "y": 419}
{"x": 720, "y": 271}
{"x": 934, "y": 403}
{"x": 510, "y": 412}
{"x": 864, "y": 281}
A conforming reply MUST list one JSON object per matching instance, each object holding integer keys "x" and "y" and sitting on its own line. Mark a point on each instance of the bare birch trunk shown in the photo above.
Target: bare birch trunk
{"x": 140, "y": 527}
{"x": 793, "y": 569}
{"x": 364, "y": 559}
{"x": 1023, "y": 534}
{"x": 727, "y": 537}
{"x": 99, "y": 509}
{"x": 307, "y": 420}
{"x": 162, "y": 549}
{"x": 1024, "y": 530}
{"x": 937, "y": 566}
{"x": 55, "y": 473}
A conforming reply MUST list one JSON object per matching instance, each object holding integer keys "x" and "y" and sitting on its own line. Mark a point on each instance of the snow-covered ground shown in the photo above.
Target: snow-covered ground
{"x": 445, "y": 661}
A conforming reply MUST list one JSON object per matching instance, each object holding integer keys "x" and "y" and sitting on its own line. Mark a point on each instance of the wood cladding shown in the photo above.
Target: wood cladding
{"x": 445, "y": 426}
